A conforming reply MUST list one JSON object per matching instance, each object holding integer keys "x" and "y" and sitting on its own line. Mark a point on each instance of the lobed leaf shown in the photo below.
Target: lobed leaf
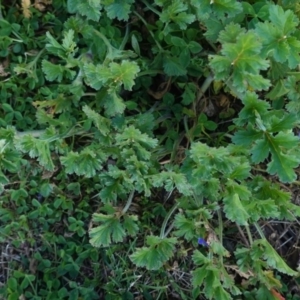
{"x": 220, "y": 8}
{"x": 283, "y": 164}
{"x": 119, "y": 9}
{"x": 235, "y": 210}
{"x": 89, "y": 8}
{"x": 276, "y": 36}
{"x": 115, "y": 74}
{"x": 243, "y": 60}
{"x": 110, "y": 231}
{"x": 56, "y": 72}
{"x": 36, "y": 148}
{"x": 176, "y": 12}
{"x": 154, "y": 256}
{"x": 185, "y": 228}
{"x": 273, "y": 258}
{"x": 86, "y": 163}
{"x": 102, "y": 123}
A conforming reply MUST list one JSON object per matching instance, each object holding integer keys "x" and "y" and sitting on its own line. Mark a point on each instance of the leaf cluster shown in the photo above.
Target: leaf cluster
{"x": 118, "y": 155}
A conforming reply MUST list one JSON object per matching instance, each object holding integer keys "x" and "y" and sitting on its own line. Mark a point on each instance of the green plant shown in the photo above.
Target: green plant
{"x": 137, "y": 137}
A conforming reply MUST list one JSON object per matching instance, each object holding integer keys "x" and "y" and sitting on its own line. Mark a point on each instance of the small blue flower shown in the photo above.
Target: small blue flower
{"x": 202, "y": 242}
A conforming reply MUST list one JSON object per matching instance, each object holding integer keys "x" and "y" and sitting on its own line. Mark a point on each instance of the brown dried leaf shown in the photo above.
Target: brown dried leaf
{"x": 223, "y": 101}
{"x": 2, "y": 71}
{"x": 25, "y": 7}
{"x": 42, "y": 4}
{"x": 212, "y": 237}
{"x": 239, "y": 272}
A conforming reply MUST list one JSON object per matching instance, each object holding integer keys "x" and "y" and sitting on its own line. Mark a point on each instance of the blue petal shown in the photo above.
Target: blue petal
{"x": 202, "y": 242}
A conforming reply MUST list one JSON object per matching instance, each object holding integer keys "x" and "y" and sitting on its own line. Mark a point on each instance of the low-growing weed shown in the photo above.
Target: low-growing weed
{"x": 149, "y": 149}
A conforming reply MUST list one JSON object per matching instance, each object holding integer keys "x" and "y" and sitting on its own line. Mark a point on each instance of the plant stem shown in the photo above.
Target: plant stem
{"x": 151, "y": 8}
{"x": 105, "y": 40}
{"x": 125, "y": 39}
{"x": 128, "y": 203}
{"x": 259, "y": 230}
{"x": 163, "y": 233}
{"x": 186, "y": 128}
{"x": 243, "y": 235}
{"x": 249, "y": 234}
{"x": 220, "y": 232}
{"x": 205, "y": 85}
{"x": 37, "y": 134}
{"x": 169, "y": 229}
{"x": 38, "y": 56}
{"x": 151, "y": 33}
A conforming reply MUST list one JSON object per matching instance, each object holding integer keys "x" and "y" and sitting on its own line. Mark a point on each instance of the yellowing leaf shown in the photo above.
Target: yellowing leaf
{"x": 272, "y": 280}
